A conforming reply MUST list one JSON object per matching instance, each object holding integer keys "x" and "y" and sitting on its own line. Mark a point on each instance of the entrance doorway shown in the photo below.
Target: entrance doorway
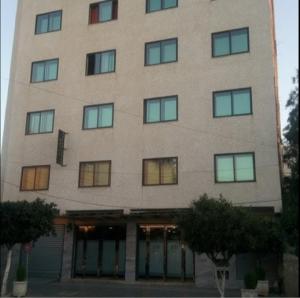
{"x": 100, "y": 251}
{"x": 162, "y": 253}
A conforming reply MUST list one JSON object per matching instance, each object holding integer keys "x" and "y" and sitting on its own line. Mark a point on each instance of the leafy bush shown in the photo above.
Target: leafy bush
{"x": 21, "y": 273}
{"x": 250, "y": 280}
{"x": 260, "y": 273}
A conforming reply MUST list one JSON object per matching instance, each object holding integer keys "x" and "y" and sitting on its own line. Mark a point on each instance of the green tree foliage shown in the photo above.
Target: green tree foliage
{"x": 291, "y": 158}
{"x": 218, "y": 229}
{"x": 23, "y": 221}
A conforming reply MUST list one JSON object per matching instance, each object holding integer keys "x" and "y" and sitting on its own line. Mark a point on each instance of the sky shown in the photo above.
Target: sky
{"x": 287, "y": 36}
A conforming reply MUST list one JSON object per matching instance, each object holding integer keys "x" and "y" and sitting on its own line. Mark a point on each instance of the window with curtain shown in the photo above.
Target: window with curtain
{"x": 35, "y": 178}
{"x": 232, "y": 102}
{"x": 160, "y": 171}
{"x": 230, "y": 42}
{"x": 40, "y": 122}
{"x": 159, "y": 52}
{"x": 98, "y": 116}
{"x": 94, "y": 173}
{"x": 160, "y": 109}
{"x": 43, "y": 71}
{"x": 103, "y": 11}
{"x": 156, "y": 5}
{"x": 48, "y": 22}
{"x": 102, "y": 62}
{"x": 238, "y": 167}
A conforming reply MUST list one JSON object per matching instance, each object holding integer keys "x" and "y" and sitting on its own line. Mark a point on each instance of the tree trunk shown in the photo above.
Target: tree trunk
{"x": 6, "y": 273}
{"x": 220, "y": 285}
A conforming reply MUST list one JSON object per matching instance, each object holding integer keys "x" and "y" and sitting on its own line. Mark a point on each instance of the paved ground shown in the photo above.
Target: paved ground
{"x": 103, "y": 288}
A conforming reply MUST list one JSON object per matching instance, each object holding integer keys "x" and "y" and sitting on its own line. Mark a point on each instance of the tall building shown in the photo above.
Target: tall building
{"x": 157, "y": 102}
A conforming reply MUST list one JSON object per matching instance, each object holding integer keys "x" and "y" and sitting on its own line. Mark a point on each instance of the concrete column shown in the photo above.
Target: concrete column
{"x": 66, "y": 270}
{"x": 130, "y": 265}
{"x": 204, "y": 272}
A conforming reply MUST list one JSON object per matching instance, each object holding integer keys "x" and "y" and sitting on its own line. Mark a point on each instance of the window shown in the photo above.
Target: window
{"x": 238, "y": 167}
{"x": 230, "y": 42}
{"x": 42, "y": 71}
{"x": 102, "y": 62}
{"x": 35, "y": 178}
{"x": 39, "y": 122}
{"x": 159, "y": 52}
{"x": 156, "y": 5}
{"x": 160, "y": 171}
{"x": 103, "y": 11}
{"x": 48, "y": 22}
{"x": 94, "y": 173}
{"x": 232, "y": 102}
{"x": 98, "y": 116}
{"x": 160, "y": 109}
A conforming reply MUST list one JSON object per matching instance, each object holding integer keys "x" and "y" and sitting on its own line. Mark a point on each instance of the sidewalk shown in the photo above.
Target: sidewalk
{"x": 108, "y": 288}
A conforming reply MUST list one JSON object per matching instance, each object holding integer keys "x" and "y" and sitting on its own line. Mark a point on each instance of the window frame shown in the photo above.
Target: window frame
{"x": 161, "y": 5}
{"x": 100, "y": 73}
{"x": 234, "y": 167}
{"x": 98, "y": 105}
{"x": 99, "y": 3}
{"x": 160, "y": 159}
{"x": 160, "y": 41}
{"x": 160, "y": 102}
{"x": 94, "y": 162}
{"x": 230, "y": 42}
{"x": 28, "y": 122}
{"x": 48, "y": 13}
{"x": 35, "y": 167}
{"x": 231, "y": 96}
{"x": 44, "y": 61}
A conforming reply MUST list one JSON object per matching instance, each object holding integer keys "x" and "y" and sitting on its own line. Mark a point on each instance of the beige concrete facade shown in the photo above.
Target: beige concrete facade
{"x": 194, "y": 138}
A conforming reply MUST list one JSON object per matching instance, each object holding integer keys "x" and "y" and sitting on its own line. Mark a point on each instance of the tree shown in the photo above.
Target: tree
{"x": 218, "y": 229}
{"x": 290, "y": 198}
{"x": 23, "y": 222}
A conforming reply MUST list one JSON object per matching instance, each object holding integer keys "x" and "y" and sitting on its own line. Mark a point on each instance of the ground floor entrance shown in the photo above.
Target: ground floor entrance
{"x": 162, "y": 254}
{"x": 100, "y": 251}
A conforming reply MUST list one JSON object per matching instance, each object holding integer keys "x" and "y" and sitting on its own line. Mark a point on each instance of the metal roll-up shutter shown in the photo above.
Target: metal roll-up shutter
{"x": 45, "y": 259}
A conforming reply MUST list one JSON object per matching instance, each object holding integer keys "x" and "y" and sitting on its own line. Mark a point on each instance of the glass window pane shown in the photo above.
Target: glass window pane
{"x": 38, "y": 72}
{"x": 105, "y": 116}
{"x": 34, "y": 123}
{"x": 41, "y": 178}
{"x": 239, "y": 41}
{"x": 221, "y": 45}
{"x": 244, "y": 170}
{"x": 51, "y": 70}
{"x": 91, "y": 117}
{"x": 94, "y": 13}
{"x": 153, "y": 110}
{"x": 169, "y": 171}
{"x": 105, "y": 11}
{"x": 224, "y": 168}
{"x": 241, "y": 102}
{"x": 46, "y": 121}
{"x": 42, "y": 24}
{"x": 28, "y": 175}
{"x": 169, "y": 109}
{"x": 153, "y": 53}
{"x": 222, "y": 104}
{"x": 54, "y": 21}
{"x": 151, "y": 172}
{"x": 96, "y": 59}
{"x": 154, "y": 5}
{"x": 169, "y": 3}
{"x": 107, "y": 62}
{"x": 86, "y": 174}
{"x": 102, "y": 173}
{"x": 169, "y": 49}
